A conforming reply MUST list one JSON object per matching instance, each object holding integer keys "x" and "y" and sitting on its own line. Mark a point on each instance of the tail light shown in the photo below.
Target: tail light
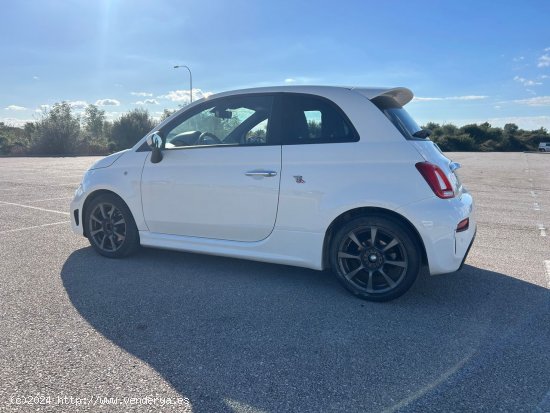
{"x": 437, "y": 180}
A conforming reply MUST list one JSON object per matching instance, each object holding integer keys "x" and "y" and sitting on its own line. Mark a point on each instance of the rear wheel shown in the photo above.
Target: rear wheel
{"x": 375, "y": 258}
{"x": 110, "y": 227}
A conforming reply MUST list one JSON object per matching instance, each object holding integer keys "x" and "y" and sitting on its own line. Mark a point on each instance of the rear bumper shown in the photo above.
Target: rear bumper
{"x": 436, "y": 221}
{"x": 467, "y": 251}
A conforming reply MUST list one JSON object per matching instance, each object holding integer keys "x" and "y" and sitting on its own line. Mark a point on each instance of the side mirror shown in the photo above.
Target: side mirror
{"x": 155, "y": 143}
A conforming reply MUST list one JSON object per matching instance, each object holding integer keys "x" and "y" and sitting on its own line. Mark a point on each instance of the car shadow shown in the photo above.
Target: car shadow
{"x": 226, "y": 332}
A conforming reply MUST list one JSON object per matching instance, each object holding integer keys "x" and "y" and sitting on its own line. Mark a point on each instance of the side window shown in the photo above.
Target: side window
{"x": 311, "y": 119}
{"x": 258, "y": 134}
{"x": 233, "y": 121}
{"x": 314, "y": 122}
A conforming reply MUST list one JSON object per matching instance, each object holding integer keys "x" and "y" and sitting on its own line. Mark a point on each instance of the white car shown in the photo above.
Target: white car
{"x": 311, "y": 176}
{"x": 544, "y": 147}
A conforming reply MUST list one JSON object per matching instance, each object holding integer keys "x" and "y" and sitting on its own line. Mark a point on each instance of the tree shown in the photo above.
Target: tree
{"x": 166, "y": 114}
{"x": 93, "y": 139}
{"x": 130, "y": 128}
{"x": 58, "y": 131}
{"x": 12, "y": 140}
{"x": 94, "y": 119}
{"x": 477, "y": 132}
{"x": 511, "y": 129}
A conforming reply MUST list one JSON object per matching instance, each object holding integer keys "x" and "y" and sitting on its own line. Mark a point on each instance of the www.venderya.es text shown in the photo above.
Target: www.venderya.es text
{"x": 96, "y": 400}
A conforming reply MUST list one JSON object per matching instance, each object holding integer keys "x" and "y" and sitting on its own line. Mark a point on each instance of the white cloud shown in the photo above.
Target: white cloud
{"x": 35, "y": 77}
{"x": 544, "y": 60}
{"x": 526, "y": 82}
{"x": 107, "y": 102}
{"x": 77, "y": 104}
{"x": 421, "y": 99}
{"x": 112, "y": 115}
{"x": 15, "y": 122}
{"x": 300, "y": 79}
{"x": 42, "y": 108}
{"x": 536, "y": 101}
{"x": 15, "y": 108}
{"x": 547, "y": 49}
{"x": 467, "y": 97}
{"x": 183, "y": 95}
{"x": 143, "y": 94}
{"x": 518, "y": 59}
{"x": 147, "y": 102}
{"x": 524, "y": 122}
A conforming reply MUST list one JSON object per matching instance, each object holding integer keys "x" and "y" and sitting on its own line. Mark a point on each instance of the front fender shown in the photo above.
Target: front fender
{"x": 123, "y": 178}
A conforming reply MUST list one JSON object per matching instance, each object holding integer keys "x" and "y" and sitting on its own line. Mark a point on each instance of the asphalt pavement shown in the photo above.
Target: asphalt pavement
{"x": 169, "y": 331}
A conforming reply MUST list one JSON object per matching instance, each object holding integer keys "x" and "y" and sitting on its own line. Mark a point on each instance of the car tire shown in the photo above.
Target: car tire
{"x": 110, "y": 227}
{"x": 376, "y": 258}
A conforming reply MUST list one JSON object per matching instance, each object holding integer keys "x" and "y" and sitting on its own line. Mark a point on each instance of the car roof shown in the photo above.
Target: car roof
{"x": 401, "y": 94}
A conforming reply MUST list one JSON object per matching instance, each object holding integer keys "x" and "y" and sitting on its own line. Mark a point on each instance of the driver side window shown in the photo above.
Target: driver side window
{"x": 230, "y": 121}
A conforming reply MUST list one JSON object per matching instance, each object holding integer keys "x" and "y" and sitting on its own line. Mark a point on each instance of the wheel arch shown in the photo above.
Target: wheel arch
{"x": 93, "y": 195}
{"x": 366, "y": 212}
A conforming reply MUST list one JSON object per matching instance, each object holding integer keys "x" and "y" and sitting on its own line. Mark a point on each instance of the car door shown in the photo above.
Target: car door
{"x": 219, "y": 176}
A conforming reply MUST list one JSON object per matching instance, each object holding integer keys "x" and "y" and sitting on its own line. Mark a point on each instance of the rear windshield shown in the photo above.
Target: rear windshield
{"x": 398, "y": 116}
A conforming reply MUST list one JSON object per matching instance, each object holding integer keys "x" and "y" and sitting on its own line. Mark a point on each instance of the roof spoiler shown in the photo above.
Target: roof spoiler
{"x": 401, "y": 95}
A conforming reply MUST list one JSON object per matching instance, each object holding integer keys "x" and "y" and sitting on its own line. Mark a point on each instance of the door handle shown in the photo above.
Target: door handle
{"x": 261, "y": 173}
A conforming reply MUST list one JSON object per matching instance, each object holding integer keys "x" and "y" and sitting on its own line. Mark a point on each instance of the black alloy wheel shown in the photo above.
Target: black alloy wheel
{"x": 111, "y": 229}
{"x": 375, "y": 258}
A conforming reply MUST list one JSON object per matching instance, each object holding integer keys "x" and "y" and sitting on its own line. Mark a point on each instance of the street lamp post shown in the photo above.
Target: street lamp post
{"x": 190, "y": 81}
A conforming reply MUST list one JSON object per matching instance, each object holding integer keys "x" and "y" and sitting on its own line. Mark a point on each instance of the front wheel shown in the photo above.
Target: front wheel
{"x": 375, "y": 258}
{"x": 110, "y": 227}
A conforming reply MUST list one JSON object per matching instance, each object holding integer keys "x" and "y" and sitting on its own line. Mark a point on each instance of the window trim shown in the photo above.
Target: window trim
{"x": 272, "y": 133}
{"x": 355, "y": 137}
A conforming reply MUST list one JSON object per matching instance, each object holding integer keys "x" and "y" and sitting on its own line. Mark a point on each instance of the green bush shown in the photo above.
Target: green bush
{"x": 130, "y": 128}
{"x": 57, "y": 133}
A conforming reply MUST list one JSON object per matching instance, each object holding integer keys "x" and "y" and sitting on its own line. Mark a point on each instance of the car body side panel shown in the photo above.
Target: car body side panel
{"x": 336, "y": 178}
{"x": 445, "y": 248}
{"x": 298, "y": 248}
{"x": 123, "y": 178}
{"x": 205, "y": 192}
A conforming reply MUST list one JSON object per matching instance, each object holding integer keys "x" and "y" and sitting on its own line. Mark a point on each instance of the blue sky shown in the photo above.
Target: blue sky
{"x": 466, "y": 61}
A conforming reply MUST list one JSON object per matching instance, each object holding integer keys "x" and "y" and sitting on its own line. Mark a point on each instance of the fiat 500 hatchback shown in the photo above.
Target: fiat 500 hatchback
{"x": 316, "y": 177}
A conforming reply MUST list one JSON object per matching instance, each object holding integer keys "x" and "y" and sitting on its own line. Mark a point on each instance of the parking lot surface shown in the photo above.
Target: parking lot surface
{"x": 168, "y": 331}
